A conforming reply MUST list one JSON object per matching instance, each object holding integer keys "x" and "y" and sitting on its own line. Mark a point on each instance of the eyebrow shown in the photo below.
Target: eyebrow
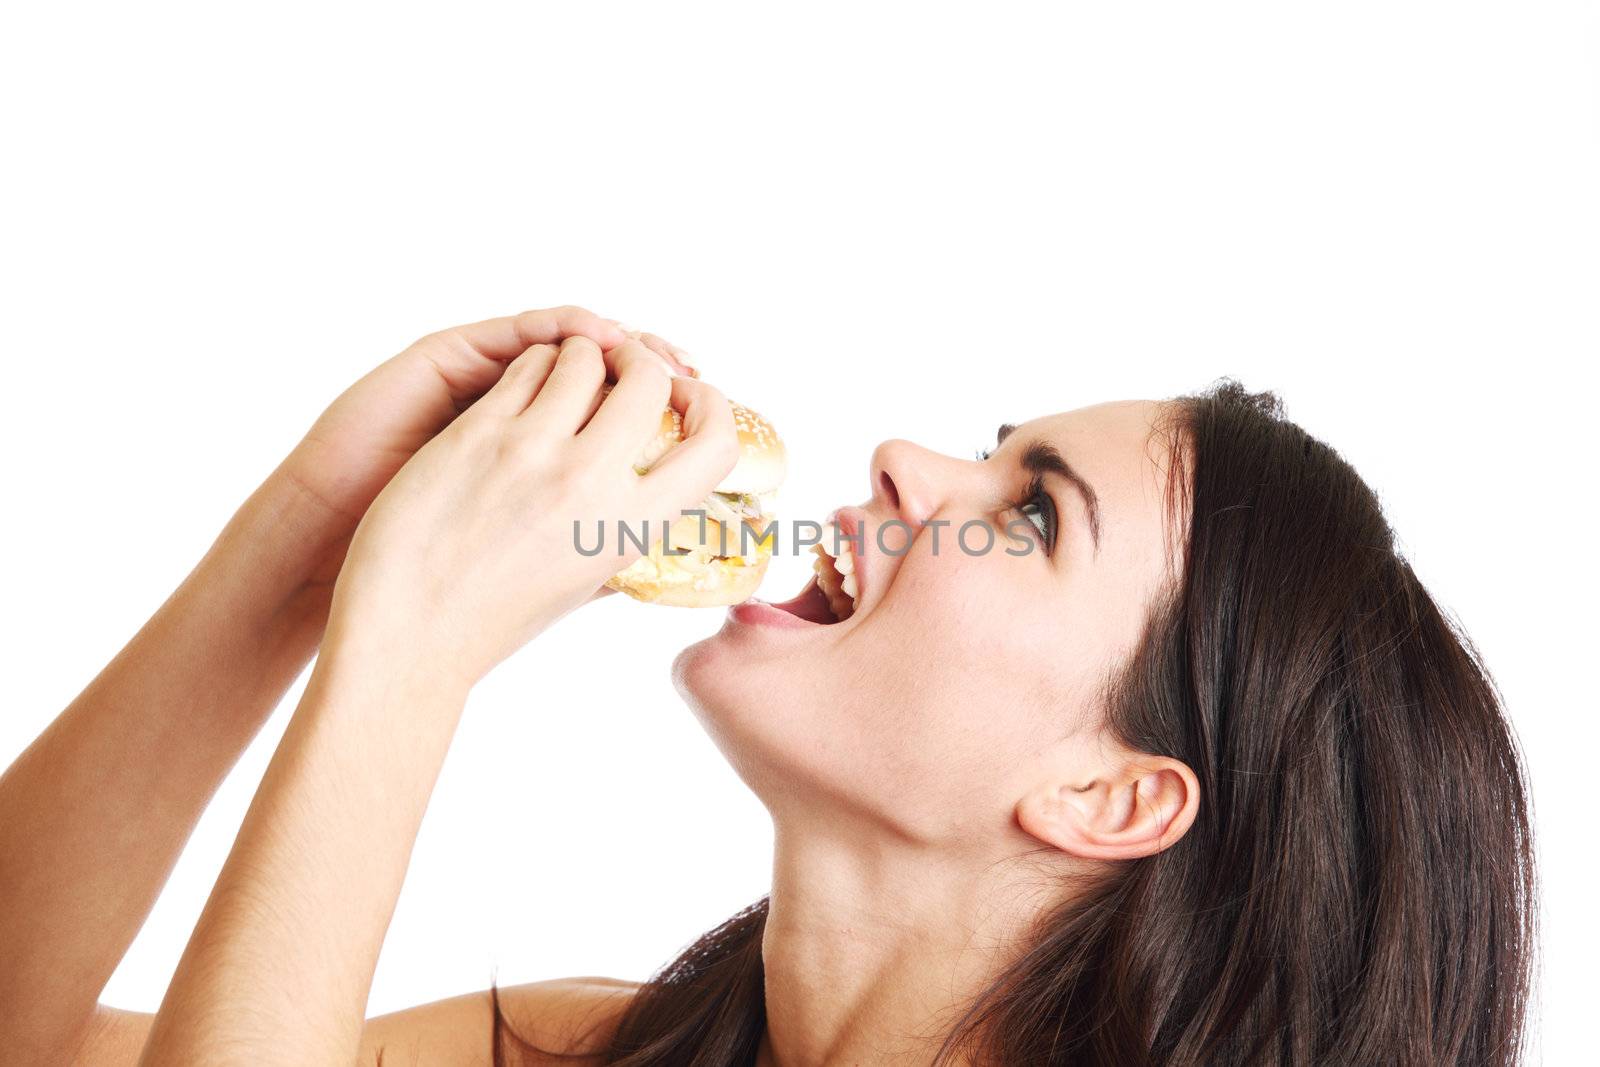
{"x": 1042, "y": 458}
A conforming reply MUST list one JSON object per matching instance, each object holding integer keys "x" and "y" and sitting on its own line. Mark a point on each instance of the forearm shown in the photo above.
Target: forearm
{"x": 94, "y": 814}
{"x": 280, "y": 964}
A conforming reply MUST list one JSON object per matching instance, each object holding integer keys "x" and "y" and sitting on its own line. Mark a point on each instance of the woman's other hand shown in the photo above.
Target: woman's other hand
{"x": 376, "y": 425}
{"x": 472, "y": 547}
{"x": 461, "y": 555}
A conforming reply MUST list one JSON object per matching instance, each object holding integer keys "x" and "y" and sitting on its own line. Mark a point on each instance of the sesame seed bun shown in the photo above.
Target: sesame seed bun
{"x": 763, "y": 461}
{"x": 722, "y": 559}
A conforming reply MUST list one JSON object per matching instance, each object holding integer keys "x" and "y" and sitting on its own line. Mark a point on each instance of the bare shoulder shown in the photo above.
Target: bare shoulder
{"x": 570, "y": 1015}
{"x": 573, "y": 1015}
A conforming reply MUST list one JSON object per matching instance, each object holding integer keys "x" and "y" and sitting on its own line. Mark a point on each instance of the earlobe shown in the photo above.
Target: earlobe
{"x": 1145, "y": 807}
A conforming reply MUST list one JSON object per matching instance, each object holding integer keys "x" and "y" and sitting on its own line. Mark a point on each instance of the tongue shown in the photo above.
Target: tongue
{"x": 811, "y": 605}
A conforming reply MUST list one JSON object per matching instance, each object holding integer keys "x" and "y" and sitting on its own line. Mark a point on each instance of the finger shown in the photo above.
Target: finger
{"x": 670, "y": 352}
{"x": 629, "y": 417}
{"x": 471, "y": 358}
{"x": 709, "y": 449}
{"x": 520, "y": 383}
{"x": 612, "y": 357}
{"x": 563, "y": 404}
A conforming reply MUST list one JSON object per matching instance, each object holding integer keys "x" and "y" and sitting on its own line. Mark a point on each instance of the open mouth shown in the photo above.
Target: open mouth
{"x": 831, "y": 594}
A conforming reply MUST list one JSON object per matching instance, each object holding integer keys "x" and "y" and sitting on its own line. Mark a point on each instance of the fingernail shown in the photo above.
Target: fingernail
{"x": 687, "y": 360}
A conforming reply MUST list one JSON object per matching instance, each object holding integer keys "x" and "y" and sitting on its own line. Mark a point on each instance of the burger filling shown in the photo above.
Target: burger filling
{"x": 737, "y": 505}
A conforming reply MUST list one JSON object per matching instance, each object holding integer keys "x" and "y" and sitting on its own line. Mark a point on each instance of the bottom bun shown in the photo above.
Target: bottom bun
{"x": 714, "y": 583}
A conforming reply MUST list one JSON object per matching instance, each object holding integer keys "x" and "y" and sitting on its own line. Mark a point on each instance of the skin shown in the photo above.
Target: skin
{"x": 464, "y": 555}
{"x": 94, "y": 813}
{"x": 935, "y": 765}
{"x": 932, "y": 786}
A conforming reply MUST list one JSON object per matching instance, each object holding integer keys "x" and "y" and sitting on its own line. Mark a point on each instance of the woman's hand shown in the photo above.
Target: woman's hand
{"x": 466, "y": 553}
{"x": 471, "y": 548}
{"x": 369, "y": 432}
{"x": 95, "y": 812}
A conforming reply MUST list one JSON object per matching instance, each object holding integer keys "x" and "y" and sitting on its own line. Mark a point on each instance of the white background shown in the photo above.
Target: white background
{"x": 911, "y": 222}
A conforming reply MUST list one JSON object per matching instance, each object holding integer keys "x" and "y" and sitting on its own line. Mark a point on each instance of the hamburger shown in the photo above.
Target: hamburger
{"x": 719, "y": 557}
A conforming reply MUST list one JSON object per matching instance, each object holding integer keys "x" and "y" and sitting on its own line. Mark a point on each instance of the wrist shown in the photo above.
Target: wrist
{"x": 393, "y": 650}
{"x": 279, "y": 555}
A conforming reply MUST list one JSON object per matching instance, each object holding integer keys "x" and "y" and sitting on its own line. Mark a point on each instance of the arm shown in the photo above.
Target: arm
{"x": 463, "y": 557}
{"x": 95, "y": 812}
{"x": 575, "y": 1016}
{"x": 279, "y": 966}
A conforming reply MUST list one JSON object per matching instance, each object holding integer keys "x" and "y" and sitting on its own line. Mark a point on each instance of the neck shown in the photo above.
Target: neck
{"x": 872, "y": 951}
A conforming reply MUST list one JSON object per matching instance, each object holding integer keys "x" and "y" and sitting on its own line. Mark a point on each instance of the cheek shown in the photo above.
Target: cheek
{"x": 968, "y": 667}
{"x": 952, "y": 683}
{"x": 977, "y": 630}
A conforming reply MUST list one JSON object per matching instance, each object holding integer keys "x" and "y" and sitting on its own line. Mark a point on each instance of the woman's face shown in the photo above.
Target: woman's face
{"x": 964, "y": 668}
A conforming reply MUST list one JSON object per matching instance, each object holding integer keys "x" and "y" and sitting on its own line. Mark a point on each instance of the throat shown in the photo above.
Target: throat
{"x": 872, "y": 952}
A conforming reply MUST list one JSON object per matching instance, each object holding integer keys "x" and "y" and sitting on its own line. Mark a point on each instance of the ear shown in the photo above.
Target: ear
{"x": 1132, "y": 811}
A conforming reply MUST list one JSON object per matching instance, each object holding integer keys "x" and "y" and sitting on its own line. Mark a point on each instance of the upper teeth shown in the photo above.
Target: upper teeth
{"x": 836, "y": 573}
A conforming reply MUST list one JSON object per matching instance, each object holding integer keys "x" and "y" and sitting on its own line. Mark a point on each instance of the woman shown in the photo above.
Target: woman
{"x": 1203, "y": 776}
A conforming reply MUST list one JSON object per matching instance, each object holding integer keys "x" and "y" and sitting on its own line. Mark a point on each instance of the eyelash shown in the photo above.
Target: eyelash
{"x": 1041, "y": 500}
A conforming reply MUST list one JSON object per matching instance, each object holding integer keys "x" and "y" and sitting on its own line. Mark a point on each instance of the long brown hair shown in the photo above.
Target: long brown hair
{"x": 1358, "y": 887}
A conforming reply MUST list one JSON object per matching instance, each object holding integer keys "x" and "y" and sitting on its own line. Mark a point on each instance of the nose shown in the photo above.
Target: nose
{"x": 905, "y": 482}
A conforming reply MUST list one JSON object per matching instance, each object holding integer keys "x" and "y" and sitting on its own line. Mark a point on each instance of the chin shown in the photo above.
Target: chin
{"x": 688, "y": 669}
{"x": 711, "y": 679}
{"x": 740, "y": 703}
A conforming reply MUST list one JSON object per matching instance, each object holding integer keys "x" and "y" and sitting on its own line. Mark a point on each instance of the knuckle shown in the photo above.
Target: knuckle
{"x": 632, "y": 354}
{"x": 518, "y": 369}
{"x": 593, "y": 365}
{"x": 531, "y": 324}
{"x": 580, "y": 347}
{"x": 437, "y": 340}
{"x": 548, "y": 313}
{"x": 567, "y": 316}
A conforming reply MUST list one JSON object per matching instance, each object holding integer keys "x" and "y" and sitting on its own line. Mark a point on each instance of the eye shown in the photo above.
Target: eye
{"x": 1040, "y": 510}
{"x": 982, "y": 454}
